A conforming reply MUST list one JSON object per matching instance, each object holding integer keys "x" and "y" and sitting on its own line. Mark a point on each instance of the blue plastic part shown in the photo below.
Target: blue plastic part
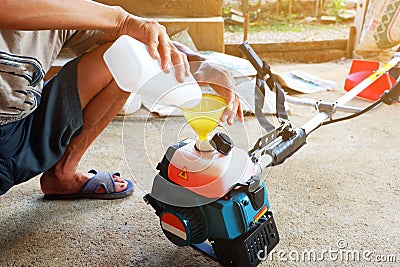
{"x": 230, "y": 218}
{"x": 206, "y": 249}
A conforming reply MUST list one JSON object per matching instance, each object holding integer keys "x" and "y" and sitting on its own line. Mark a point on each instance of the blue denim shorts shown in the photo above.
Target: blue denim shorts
{"x": 34, "y": 144}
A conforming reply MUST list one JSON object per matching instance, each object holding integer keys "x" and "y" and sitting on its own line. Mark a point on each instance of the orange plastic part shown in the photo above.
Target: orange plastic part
{"x": 362, "y": 69}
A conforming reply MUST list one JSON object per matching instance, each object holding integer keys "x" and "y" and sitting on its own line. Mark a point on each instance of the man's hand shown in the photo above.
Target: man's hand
{"x": 218, "y": 78}
{"x": 160, "y": 46}
{"x": 221, "y": 82}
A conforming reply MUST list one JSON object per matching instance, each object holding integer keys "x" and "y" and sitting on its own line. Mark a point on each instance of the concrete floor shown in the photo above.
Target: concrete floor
{"x": 337, "y": 196}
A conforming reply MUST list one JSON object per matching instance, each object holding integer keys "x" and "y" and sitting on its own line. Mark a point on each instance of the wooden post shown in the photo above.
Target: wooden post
{"x": 245, "y": 10}
{"x": 351, "y": 42}
{"x": 361, "y": 11}
{"x": 317, "y": 3}
{"x": 278, "y": 2}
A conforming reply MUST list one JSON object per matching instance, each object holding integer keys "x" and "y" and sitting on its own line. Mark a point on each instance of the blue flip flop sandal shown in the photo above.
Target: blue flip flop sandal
{"x": 100, "y": 179}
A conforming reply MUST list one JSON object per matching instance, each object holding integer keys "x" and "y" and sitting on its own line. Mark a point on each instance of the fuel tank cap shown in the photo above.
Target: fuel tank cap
{"x": 222, "y": 143}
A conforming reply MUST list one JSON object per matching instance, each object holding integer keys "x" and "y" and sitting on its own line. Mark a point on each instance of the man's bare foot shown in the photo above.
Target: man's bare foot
{"x": 52, "y": 183}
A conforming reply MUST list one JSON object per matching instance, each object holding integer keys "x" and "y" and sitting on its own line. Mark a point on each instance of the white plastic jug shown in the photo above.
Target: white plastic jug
{"x": 134, "y": 70}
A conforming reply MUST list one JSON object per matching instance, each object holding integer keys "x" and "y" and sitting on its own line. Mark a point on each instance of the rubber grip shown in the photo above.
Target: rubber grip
{"x": 286, "y": 148}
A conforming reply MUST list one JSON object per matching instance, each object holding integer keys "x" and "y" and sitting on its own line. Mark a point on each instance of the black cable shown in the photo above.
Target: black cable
{"x": 370, "y": 107}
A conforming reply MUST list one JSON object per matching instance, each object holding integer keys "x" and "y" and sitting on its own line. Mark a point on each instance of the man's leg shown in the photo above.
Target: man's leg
{"x": 101, "y": 100}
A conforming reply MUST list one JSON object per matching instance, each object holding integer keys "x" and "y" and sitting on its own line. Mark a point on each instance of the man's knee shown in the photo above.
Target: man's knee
{"x": 93, "y": 74}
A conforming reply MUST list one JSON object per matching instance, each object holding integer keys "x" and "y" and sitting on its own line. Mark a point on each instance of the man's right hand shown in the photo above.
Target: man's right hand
{"x": 155, "y": 36}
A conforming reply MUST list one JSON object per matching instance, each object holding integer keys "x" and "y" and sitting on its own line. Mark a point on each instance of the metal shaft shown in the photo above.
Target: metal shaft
{"x": 321, "y": 117}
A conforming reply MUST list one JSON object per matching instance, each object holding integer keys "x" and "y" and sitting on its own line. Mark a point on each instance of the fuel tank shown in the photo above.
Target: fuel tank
{"x": 210, "y": 174}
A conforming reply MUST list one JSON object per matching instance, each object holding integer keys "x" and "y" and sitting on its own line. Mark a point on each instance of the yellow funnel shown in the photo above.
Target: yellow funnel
{"x": 204, "y": 117}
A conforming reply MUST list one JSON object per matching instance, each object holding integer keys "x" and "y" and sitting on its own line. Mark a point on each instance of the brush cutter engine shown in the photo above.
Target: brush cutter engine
{"x": 237, "y": 222}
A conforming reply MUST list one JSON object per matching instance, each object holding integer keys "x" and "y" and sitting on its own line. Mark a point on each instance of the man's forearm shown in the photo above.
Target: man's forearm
{"x": 59, "y": 14}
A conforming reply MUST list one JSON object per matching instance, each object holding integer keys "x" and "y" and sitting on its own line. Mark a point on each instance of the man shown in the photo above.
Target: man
{"x": 47, "y": 128}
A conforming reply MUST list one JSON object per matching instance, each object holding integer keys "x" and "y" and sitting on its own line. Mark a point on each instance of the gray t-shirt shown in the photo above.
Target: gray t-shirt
{"x": 25, "y": 57}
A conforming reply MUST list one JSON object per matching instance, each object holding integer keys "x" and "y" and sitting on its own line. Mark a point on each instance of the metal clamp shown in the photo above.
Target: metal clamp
{"x": 328, "y": 108}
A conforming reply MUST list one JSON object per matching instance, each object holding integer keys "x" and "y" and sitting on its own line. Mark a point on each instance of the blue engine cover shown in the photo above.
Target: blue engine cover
{"x": 227, "y": 217}
{"x": 230, "y": 217}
